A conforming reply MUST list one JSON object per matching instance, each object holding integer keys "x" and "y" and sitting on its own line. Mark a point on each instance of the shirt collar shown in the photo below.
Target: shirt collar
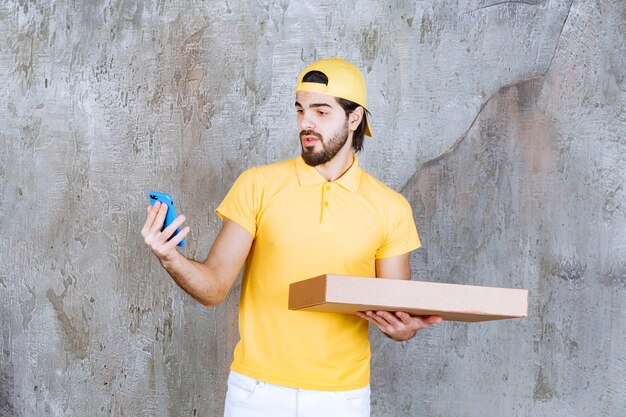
{"x": 308, "y": 175}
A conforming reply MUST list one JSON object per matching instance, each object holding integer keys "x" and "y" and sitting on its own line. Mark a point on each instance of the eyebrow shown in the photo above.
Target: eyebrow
{"x": 315, "y": 105}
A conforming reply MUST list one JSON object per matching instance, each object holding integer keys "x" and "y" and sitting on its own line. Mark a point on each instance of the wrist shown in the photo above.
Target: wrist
{"x": 172, "y": 260}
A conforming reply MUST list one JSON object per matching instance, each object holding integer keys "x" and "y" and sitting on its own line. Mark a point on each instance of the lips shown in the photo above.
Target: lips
{"x": 309, "y": 137}
{"x": 309, "y": 141}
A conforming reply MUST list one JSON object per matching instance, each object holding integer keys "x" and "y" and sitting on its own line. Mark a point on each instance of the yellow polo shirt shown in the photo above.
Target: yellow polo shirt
{"x": 305, "y": 226}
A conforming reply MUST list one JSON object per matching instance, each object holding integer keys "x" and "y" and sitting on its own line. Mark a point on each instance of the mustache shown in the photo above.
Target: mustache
{"x": 310, "y": 133}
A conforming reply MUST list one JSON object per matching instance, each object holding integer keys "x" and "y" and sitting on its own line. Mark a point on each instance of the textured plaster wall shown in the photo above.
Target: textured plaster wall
{"x": 502, "y": 122}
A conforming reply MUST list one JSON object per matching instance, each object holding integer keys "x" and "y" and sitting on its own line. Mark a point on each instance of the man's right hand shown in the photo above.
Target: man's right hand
{"x": 156, "y": 239}
{"x": 210, "y": 281}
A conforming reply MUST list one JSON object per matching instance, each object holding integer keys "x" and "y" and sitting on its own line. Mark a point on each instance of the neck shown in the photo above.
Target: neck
{"x": 337, "y": 166}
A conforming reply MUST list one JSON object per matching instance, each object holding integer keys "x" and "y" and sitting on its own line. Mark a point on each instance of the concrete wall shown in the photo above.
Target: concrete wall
{"x": 503, "y": 123}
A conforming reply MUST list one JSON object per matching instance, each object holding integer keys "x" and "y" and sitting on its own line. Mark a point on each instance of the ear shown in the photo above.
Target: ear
{"x": 354, "y": 118}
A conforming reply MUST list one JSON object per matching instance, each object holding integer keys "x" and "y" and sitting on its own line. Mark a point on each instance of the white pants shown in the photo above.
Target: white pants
{"x": 247, "y": 397}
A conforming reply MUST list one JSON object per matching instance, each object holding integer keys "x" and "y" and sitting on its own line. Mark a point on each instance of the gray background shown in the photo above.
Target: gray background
{"x": 502, "y": 122}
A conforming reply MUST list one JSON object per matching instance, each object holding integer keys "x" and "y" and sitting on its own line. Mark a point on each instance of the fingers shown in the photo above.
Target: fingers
{"x": 399, "y": 325}
{"x": 422, "y": 321}
{"x": 149, "y": 219}
{"x": 381, "y": 319}
{"x": 405, "y": 317}
{"x": 165, "y": 249}
{"x": 156, "y": 239}
{"x": 418, "y": 322}
{"x": 169, "y": 230}
{"x": 386, "y": 318}
{"x": 154, "y": 219}
{"x": 156, "y": 236}
{"x": 434, "y": 319}
{"x": 173, "y": 242}
{"x": 159, "y": 220}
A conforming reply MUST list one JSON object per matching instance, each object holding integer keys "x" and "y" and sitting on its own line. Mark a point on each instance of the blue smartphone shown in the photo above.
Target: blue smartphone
{"x": 166, "y": 199}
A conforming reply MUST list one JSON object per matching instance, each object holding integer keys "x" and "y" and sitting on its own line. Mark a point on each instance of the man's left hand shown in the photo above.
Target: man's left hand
{"x": 399, "y": 325}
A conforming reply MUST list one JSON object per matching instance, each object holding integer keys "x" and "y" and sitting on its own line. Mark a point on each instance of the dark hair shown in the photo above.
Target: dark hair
{"x": 359, "y": 133}
{"x": 347, "y": 106}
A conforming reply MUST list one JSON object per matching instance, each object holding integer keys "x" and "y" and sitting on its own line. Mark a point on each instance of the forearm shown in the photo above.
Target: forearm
{"x": 197, "y": 279}
{"x": 208, "y": 282}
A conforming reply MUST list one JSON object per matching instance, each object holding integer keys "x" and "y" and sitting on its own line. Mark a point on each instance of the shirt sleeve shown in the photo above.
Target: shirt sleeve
{"x": 242, "y": 202}
{"x": 400, "y": 234}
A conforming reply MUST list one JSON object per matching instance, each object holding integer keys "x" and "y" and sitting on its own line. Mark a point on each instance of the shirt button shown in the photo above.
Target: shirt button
{"x": 326, "y": 203}
{"x": 327, "y": 187}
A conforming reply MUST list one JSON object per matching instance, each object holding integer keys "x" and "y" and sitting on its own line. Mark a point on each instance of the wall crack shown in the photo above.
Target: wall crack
{"x": 462, "y": 137}
{"x": 558, "y": 40}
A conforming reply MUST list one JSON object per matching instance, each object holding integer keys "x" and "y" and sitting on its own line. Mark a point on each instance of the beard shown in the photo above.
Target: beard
{"x": 329, "y": 150}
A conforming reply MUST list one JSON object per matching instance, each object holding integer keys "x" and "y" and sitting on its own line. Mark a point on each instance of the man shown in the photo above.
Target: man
{"x": 315, "y": 214}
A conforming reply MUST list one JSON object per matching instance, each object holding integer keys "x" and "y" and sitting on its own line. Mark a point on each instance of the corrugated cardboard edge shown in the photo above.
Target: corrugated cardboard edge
{"x": 307, "y": 293}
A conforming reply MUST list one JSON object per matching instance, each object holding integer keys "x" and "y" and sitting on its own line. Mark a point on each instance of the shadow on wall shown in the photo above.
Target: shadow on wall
{"x": 492, "y": 187}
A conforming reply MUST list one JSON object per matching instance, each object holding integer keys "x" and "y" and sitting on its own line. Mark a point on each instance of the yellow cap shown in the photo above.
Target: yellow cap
{"x": 344, "y": 81}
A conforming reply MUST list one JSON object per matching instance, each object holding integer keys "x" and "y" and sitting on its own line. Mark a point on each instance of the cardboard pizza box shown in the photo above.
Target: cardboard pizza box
{"x": 455, "y": 302}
